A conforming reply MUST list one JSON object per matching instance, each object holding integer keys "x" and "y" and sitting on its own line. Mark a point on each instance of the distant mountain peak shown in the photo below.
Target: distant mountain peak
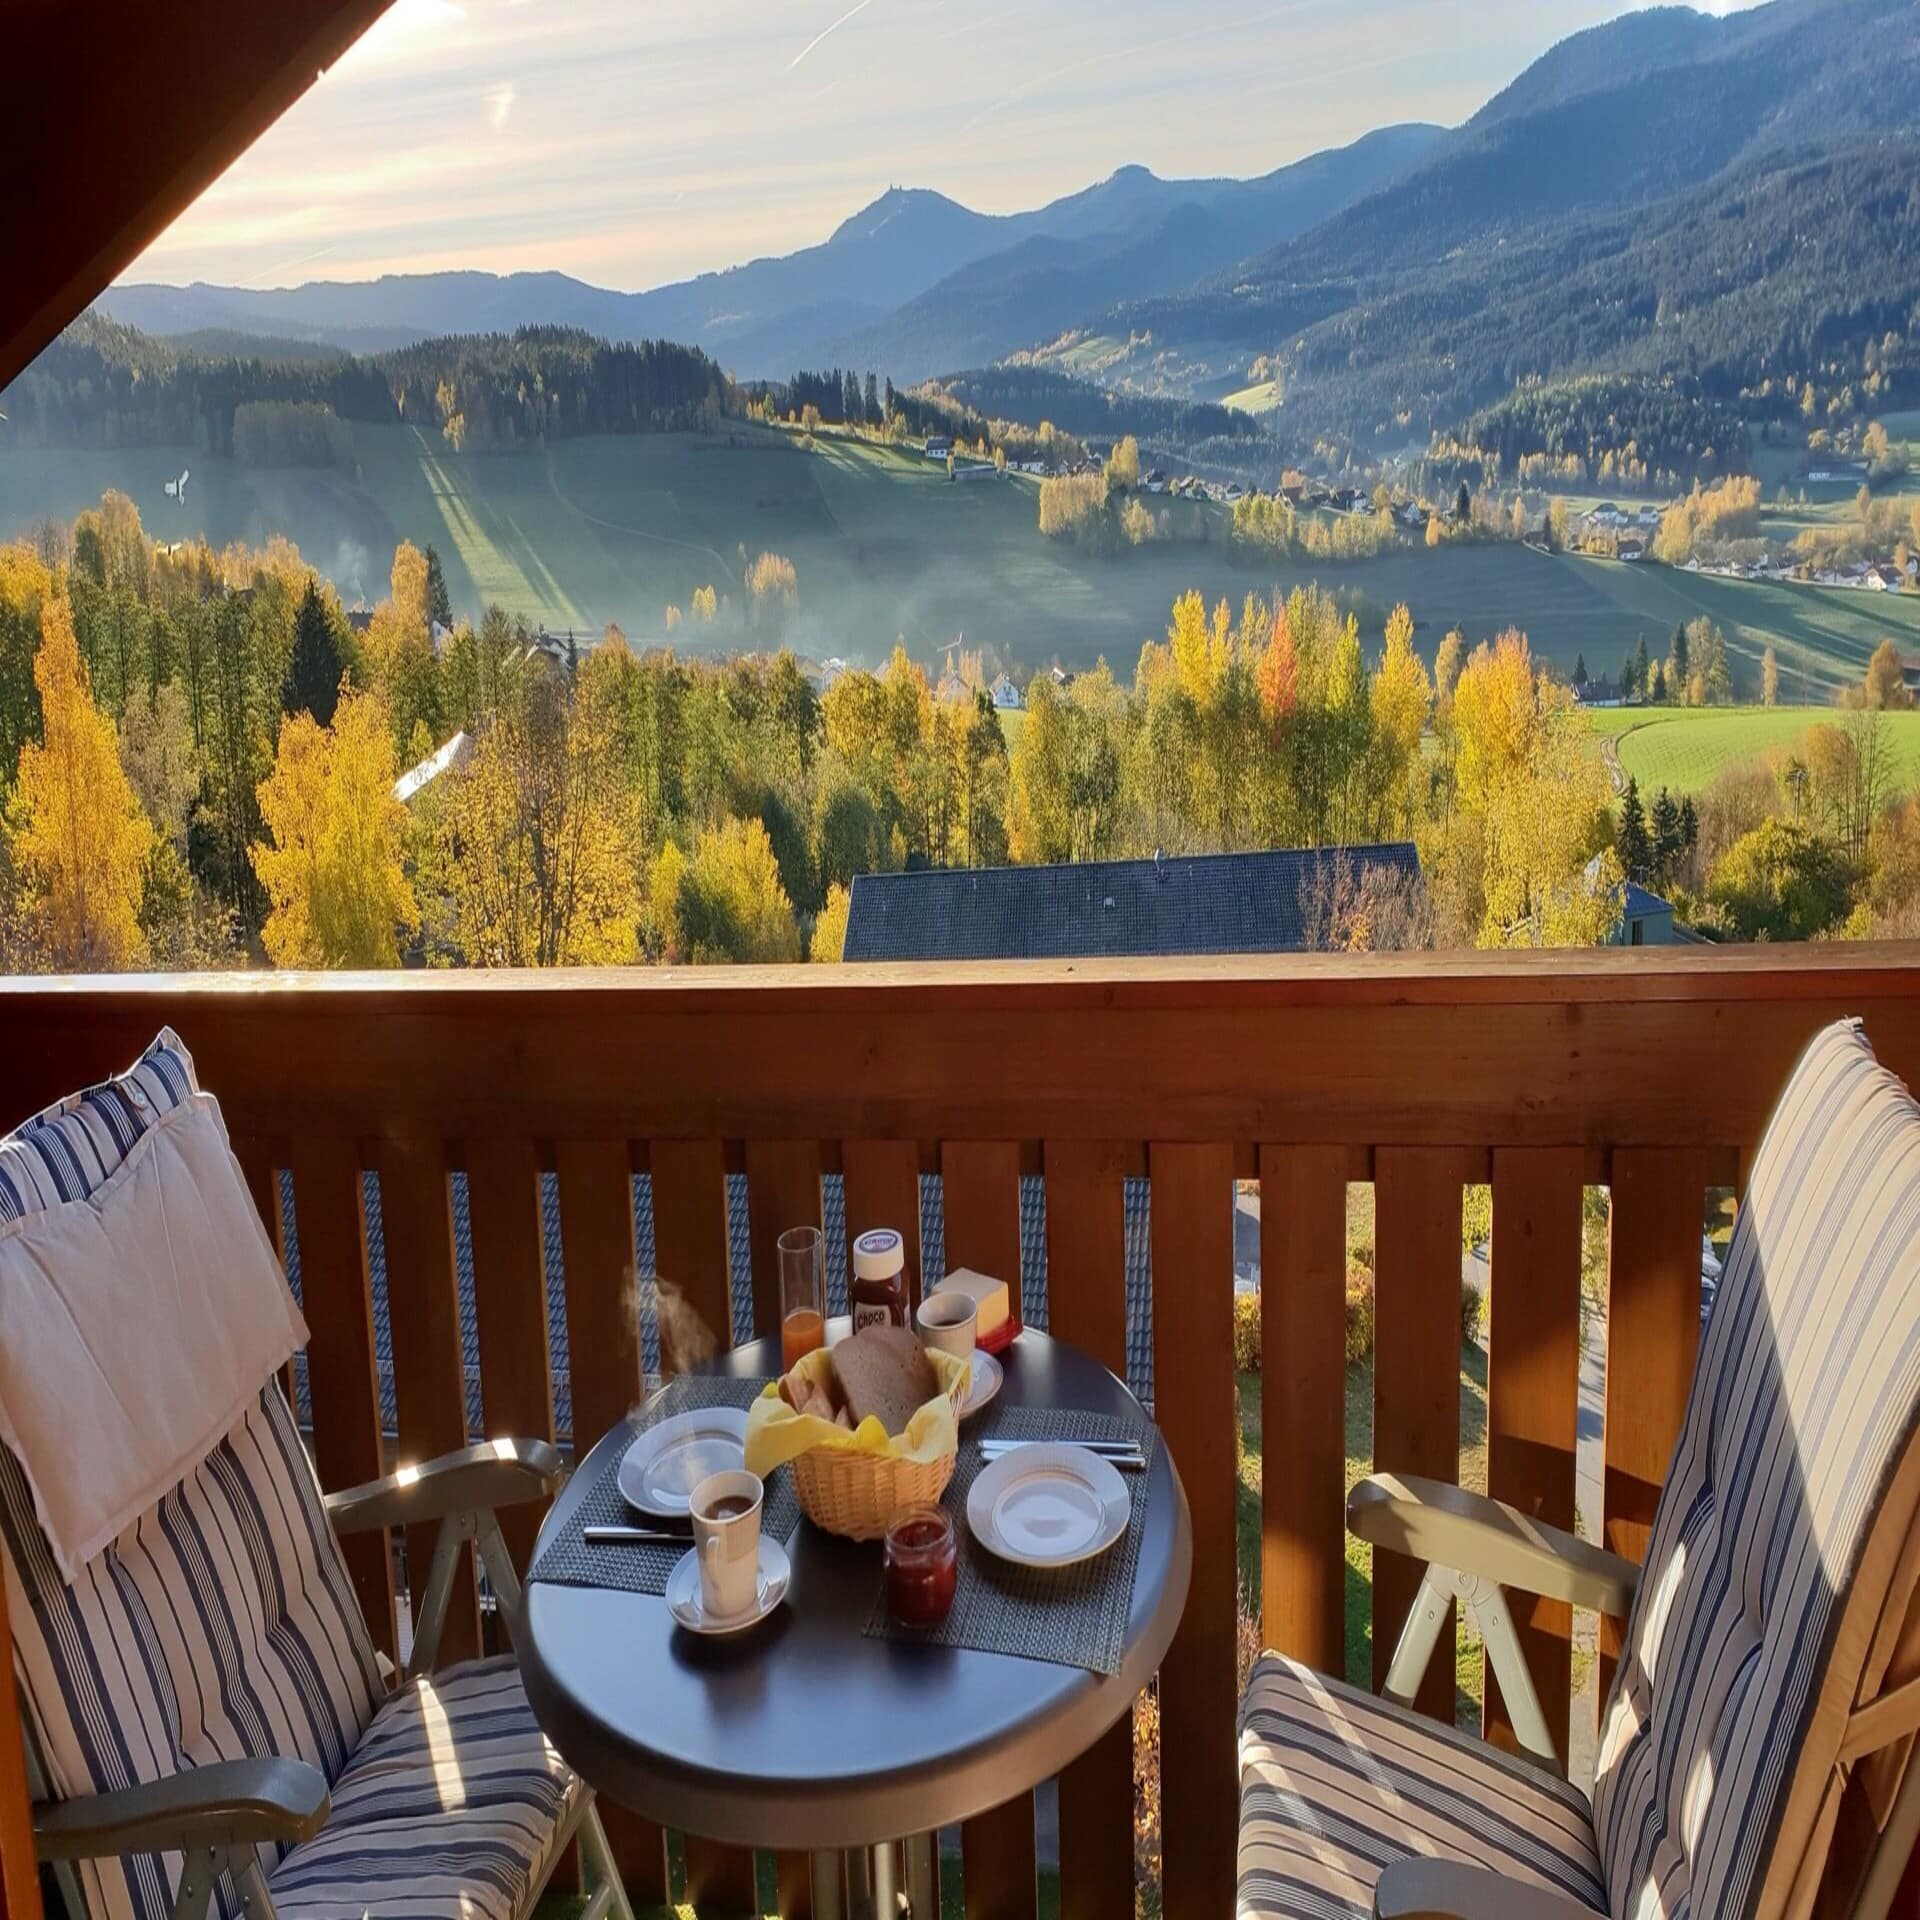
{"x": 895, "y": 204}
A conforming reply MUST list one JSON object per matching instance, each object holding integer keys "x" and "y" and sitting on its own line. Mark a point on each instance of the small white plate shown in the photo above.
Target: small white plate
{"x": 665, "y": 1464}
{"x": 987, "y": 1375}
{"x": 1048, "y": 1506}
{"x": 684, "y": 1600}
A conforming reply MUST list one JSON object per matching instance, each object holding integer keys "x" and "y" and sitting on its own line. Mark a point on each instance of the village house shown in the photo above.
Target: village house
{"x": 939, "y": 445}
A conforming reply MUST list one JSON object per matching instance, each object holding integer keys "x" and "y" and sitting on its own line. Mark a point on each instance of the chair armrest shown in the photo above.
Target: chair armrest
{"x": 1449, "y": 1890}
{"x": 230, "y": 1803}
{"x": 1450, "y": 1527}
{"x": 496, "y": 1473}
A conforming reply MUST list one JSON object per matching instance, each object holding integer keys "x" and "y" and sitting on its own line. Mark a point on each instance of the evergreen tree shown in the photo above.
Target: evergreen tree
{"x": 1640, "y": 667}
{"x": 1463, "y": 505}
{"x": 1668, "y": 838}
{"x": 439, "y": 607}
{"x": 1579, "y": 669}
{"x": 873, "y": 400}
{"x": 1627, "y": 688}
{"x": 1630, "y": 840}
{"x": 312, "y": 683}
{"x": 1677, "y": 659}
{"x": 890, "y": 397}
{"x": 1689, "y": 825}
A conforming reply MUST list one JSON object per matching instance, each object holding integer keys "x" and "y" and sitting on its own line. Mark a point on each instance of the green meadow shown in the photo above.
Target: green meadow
{"x": 886, "y": 547}
{"x": 1685, "y": 748}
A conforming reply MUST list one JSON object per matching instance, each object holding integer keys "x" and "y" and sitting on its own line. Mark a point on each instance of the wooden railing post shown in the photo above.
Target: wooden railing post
{"x": 429, "y": 1363}
{"x": 1087, "y": 1304}
{"x": 1653, "y": 1334}
{"x": 1194, "y": 1402}
{"x": 1303, "y": 1382}
{"x": 1416, "y": 1369}
{"x": 342, "y": 1370}
{"x": 1533, "y": 1396}
{"x": 510, "y": 1303}
{"x": 980, "y": 1202}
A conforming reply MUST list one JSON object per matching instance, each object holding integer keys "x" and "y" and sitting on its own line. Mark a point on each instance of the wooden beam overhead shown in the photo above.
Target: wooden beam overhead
{"x": 121, "y": 114}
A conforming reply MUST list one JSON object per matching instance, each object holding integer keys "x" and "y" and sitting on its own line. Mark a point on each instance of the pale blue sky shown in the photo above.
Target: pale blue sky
{"x": 633, "y": 142}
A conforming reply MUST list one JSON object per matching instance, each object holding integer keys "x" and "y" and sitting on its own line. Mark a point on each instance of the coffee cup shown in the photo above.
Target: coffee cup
{"x": 946, "y": 1323}
{"x": 725, "y": 1509}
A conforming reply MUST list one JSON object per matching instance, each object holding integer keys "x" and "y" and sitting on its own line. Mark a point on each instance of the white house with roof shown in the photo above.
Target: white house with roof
{"x": 1005, "y": 694}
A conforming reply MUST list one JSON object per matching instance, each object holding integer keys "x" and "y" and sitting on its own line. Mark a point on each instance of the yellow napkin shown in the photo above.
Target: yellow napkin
{"x": 776, "y": 1433}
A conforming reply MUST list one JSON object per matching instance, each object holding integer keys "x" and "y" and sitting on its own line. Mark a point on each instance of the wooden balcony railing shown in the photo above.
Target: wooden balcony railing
{"x": 1649, "y": 1072}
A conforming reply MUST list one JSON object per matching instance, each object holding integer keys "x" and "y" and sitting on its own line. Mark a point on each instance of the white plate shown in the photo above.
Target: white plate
{"x": 684, "y": 1601}
{"x": 987, "y": 1375}
{"x": 1048, "y": 1506}
{"x": 666, "y": 1463}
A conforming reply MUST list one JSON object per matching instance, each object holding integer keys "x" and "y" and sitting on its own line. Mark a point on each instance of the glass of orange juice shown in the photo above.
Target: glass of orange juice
{"x": 803, "y": 1299}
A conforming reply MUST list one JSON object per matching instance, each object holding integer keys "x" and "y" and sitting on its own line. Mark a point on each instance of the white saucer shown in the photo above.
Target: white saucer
{"x": 987, "y": 1376}
{"x": 684, "y": 1600}
{"x": 1048, "y": 1506}
{"x": 663, "y": 1466}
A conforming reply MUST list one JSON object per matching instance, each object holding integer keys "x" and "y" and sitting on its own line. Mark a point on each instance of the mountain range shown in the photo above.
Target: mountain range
{"x": 1646, "y": 197}
{"x": 1132, "y": 230}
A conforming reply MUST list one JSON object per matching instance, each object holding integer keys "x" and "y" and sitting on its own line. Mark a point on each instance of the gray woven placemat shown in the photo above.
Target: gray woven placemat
{"x": 1073, "y": 1616}
{"x": 568, "y": 1561}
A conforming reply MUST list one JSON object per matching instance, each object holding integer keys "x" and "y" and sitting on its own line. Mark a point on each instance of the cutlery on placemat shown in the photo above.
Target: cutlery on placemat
{"x": 634, "y": 1537}
{"x": 1125, "y": 1454}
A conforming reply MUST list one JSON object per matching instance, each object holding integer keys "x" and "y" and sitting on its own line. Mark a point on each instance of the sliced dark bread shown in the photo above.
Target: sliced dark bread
{"x": 885, "y": 1372}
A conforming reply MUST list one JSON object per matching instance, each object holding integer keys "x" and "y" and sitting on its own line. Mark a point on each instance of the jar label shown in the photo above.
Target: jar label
{"x": 878, "y": 1314}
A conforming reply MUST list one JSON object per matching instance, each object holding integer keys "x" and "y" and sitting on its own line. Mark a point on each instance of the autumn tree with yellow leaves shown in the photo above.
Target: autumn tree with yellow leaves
{"x": 79, "y": 838}
{"x": 1523, "y": 855}
{"x": 540, "y": 834}
{"x": 333, "y": 868}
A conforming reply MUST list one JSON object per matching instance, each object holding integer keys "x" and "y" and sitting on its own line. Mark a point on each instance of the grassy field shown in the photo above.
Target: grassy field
{"x": 1684, "y": 749}
{"x": 886, "y": 547}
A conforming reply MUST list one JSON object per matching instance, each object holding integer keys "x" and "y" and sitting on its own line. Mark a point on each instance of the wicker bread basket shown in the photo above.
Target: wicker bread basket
{"x": 858, "y": 1495}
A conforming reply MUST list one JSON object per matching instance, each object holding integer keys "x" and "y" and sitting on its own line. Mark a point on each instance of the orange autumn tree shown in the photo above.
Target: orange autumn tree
{"x": 79, "y": 836}
{"x": 1280, "y": 670}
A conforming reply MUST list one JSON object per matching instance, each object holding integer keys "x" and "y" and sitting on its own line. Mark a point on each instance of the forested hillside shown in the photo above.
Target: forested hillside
{"x": 1661, "y": 195}
{"x": 105, "y": 385}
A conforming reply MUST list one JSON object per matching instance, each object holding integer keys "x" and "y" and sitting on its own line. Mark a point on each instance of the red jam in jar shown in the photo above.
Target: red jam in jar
{"x": 922, "y": 1567}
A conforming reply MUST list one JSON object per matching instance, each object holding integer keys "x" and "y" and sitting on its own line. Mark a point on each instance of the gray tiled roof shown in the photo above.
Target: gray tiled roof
{"x": 1033, "y": 1278}
{"x": 1201, "y": 903}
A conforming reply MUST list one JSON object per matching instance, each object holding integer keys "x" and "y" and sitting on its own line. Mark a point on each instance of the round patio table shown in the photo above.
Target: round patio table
{"x": 803, "y": 1733}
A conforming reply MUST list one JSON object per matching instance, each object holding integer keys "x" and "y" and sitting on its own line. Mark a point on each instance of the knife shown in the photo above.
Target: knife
{"x": 634, "y": 1537}
{"x": 1119, "y": 1453}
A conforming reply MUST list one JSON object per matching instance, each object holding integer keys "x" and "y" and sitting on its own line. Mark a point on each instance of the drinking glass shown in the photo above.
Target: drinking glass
{"x": 803, "y": 1297}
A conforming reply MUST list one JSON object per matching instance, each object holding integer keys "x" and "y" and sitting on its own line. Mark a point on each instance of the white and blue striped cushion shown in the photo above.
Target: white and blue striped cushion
{"x": 1804, "y": 1400}
{"x": 1336, "y": 1786}
{"x": 66, "y": 1152}
{"x": 222, "y": 1625}
{"x": 451, "y": 1808}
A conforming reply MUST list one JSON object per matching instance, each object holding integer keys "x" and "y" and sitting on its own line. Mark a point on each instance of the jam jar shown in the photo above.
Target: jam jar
{"x": 923, "y": 1567}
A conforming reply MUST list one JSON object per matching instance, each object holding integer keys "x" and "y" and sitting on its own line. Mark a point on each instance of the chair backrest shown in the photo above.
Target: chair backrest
{"x": 1780, "y": 1536}
{"x": 222, "y": 1624}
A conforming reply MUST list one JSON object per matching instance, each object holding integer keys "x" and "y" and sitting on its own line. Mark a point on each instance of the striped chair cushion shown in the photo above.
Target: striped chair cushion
{"x": 452, "y": 1808}
{"x": 1804, "y": 1397}
{"x": 68, "y": 1150}
{"x": 1335, "y": 1786}
{"x": 222, "y": 1624}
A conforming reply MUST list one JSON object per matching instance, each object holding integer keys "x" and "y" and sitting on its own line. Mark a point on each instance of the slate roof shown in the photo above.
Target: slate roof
{"x": 1186, "y": 904}
{"x": 1033, "y": 1258}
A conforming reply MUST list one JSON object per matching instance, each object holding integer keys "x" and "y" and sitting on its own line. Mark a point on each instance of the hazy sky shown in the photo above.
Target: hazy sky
{"x": 633, "y": 142}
